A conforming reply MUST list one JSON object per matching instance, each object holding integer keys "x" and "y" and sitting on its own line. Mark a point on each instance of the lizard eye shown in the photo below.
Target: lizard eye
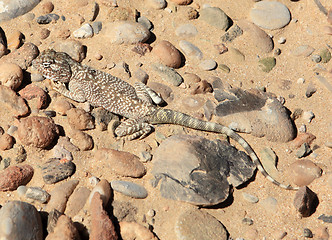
{"x": 46, "y": 64}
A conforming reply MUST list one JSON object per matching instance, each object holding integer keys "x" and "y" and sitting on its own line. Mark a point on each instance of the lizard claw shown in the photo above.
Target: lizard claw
{"x": 58, "y": 86}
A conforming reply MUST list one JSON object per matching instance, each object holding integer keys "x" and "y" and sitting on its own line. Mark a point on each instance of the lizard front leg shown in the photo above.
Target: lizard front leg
{"x": 77, "y": 95}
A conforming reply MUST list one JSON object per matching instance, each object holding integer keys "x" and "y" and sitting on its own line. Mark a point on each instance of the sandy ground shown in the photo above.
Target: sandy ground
{"x": 306, "y": 31}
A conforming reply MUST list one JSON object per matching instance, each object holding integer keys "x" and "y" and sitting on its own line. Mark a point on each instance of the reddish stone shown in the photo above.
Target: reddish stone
{"x": 303, "y": 138}
{"x": 31, "y": 91}
{"x": 15, "y": 176}
{"x": 102, "y": 228}
{"x": 14, "y": 103}
{"x": 6, "y": 142}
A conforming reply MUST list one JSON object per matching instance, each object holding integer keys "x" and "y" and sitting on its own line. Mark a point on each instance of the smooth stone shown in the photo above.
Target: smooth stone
{"x": 55, "y": 170}
{"x": 104, "y": 190}
{"x": 73, "y": 48}
{"x": 85, "y": 31}
{"x": 208, "y": 65}
{"x": 37, "y": 131}
{"x": 102, "y": 226}
{"x": 303, "y": 151}
{"x": 270, "y": 15}
{"x": 176, "y": 164}
{"x": 168, "y": 74}
{"x": 46, "y": 19}
{"x": 258, "y": 37}
{"x": 80, "y": 119}
{"x": 305, "y": 201}
{"x": 122, "y": 163}
{"x": 186, "y": 30}
{"x": 81, "y": 140}
{"x": 60, "y": 195}
{"x": 304, "y": 172}
{"x": 250, "y": 198}
{"x": 47, "y": 7}
{"x": 311, "y": 89}
{"x": 96, "y": 27}
{"x": 77, "y": 201}
{"x": 190, "y": 50}
{"x": 196, "y": 224}
{"x": 13, "y": 177}
{"x": 64, "y": 229}
{"x": 167, "y": 54}
{"x": 202, "y": 87}
{"x": 13, "y": 8}
{"x": 316, "y": 58}
{"x": 267, "y": 64}
{"x": 129, "y": 189}
{"x": 302, "y": 138}
{"x": 61, "y": 106}
{"x": 133, "y": 230}
{"x": 269, "y": 162}
{"x": 145, "y": 22}
{"x": 308, "y": 116}
{"x": 325, "y": 218}
{"x": 215, "y": 17}
{"x": 21, "y": 221}
{"x": 325, "y": 55}
{"x": 6, "y": 142}
{"x": 14, "y": 40}
{"x": 156, "y": 4}
{"x": 11, "y": 75}
{"x": 303, "y": 50}
{"x": 125, "y": 32}
{"x": 38, "y": 194}
{"x": 38, "y": 96}
{"x": 23, "y": 56}
{"x": 224, "y": 68}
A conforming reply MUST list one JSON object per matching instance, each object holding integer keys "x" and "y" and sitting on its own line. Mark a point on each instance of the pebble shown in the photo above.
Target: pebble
{"x": 64, "y": 229}
{"x": 105, "y": 192}
{"x": 122, "y": 163}
{"x": 73, "y": 48}
{"x": 165, "y": 91}
{"x": 85, "y": 31}
{"x": 303, "y": 50}
{"x": 60, "y": 195}
{"x": 81, "y": 140}
{"x": 156, "y": 4}
{"x": 307, "y": 233}
{"x": 270, "y": 15}
{"x": 190, "y": 79}
{"x": 96, "y": 27}
{"x": 192, "y": 13}
{"x": 236, "y": 54}
{"x": 55, "y": 170}
{"x": 103, "y": 118}
{"x": 38, "y": 96}
{"x": 202, "y": 87}
{"x": 145, "y": 22}
{"x": 250, "y": 198}
{"x": 186, "y": 30}
{"x": 61, "y": 153}
{"x": 267, "y": 64}
{"x": 129, "y": 189}
{"x": 300, "y": 80}
{"x": 308, "y": 116}
{"x": 13, "y": 177}
{"x": 101, "y": 226}
{"x": 247, "y": 221}
{"x": 46, "y": 19}
{"x": 47, "y": 7}
{"x": 20, "y": 220}
{"x": 15, "y": 8}
{"x": 6, "y": 142}
{"x": 168, "y": 74}
{"x": 316, "y": 58}
{"x": 224, "y": 68}
{"x": 232, "y": 33}
{"x": 61, "y": 106}
{"x": 208, "y": 65}
{"x": 305, "y": 201}
{"x": 80, "y": 119}
{"x": 37, "y": 131}
{"x": 14, "y": 40}
{"x": 37, "y": 193}
{"x": 145, "y": 156}
{"x": 141, "y": 75}
{"x": 216, "y": 17}
{"x": 190, "y": 50}
{"x": 282, "y": 40}
{"x": 77, "y": 201}
{"x": 126, "y": 32}
{"x": 303, "y": 172}
{"x": 4, "y": 163}
{"x": 325, "y": 218}
{"x": 44, "y": 33}
{"x": 192, "y": 224}
{"x": 325, "y": 55}
{"x": 303, "y": 151}
{"x": 167, "y": 54}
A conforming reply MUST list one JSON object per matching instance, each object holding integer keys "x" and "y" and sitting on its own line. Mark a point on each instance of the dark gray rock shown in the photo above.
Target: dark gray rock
{"x": 55, "y": 170}
{"x": 199, "y": 171}
{"x": 303, "y": 151}
{"x": 305, "y": 201}
{"x": 197, "y": 224}
{"x": 255, "y": 112}
{"x": 325, "y": 218}
{"x": 232, "y": 33}
{"x": 46, "y": 19}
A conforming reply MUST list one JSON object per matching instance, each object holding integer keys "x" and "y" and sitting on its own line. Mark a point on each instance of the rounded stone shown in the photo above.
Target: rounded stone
{"x": 190, "y": 50}
{"x": 47, "y": 7}
{"x": 85, "y": 31}
{"x": 20, "y": 220}
{"x": 216, "y": 17}
{"x": 13, "y": 177}
{"x": 37, "y": 131}
{"x": 133, "y": 230}
{"x": 6, "y": 142}
{"x": 129, "y": 189}
{"x": 11, "y": 75}
{"x": 13, "y": 8}
{"x": 80, "y": 119}
{"x": 61, "y": 106}
{"x": 270, "y": 15}
{"x": 55, "y": 170}
{"x": 167, "y": 54}
{"x": 303, "y": 172}
{"x": 208, "y": 65}
{"x": 182, "y": 2}
{"x": 156, "y": 4}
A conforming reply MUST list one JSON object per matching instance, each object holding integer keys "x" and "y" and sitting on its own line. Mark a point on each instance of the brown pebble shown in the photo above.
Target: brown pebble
{"x": 6, "y": 142}
{"x": 302, "y": 138}
{"x": 64, "y": 229}
{"x": 133, "y": 230}
{"x": 305, "y": 201}
{"x": 11, "y": 75}
{"x": 12, "y": 102}
{"x": 190, "y": 79}
{"x": 98, "y": 56}
{"x": 80, "y": 119}
{"x": 202, "y": 87}
{"x": 13, "y": 177}
{"x": 167, "y": 54}
{"x": 192, "y": 13}
{"x": 31, "y": 92}
{"x": 47, "y": 7}
{"x": 303, "y": 172}
{"x": 221, "y": 48}
{"x": 44, "y": 33}
{"x": 14, "y": 40}
{"x": 63, "y": 34}
{"x": 61, "y": 106}
{"x": 77, "y": 201}
{"x": 81, "y": 140}
{"x": 182, "y": 2}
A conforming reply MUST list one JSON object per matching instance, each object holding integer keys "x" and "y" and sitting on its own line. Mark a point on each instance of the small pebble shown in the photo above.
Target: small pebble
{"x": 37, "y": 194}
{"x": 311, "y": 89}
{"x": 247, "y": 221}
{"x": 282, "y": 40}
{"x": 47, "y": 7}
{"x": 277, "y": 52}
{"x": 300, "y": 80}
{"x": 208, "y": 65}
{"x": 93, "y": 181}
{"x": 250, "y": 198}
{"x": 316, "y": 58}
{"x": 325, "y": 55}
{"x": 303, "y": 151}
{"x": 308, "y": 116}
{"x": 307, "y": 233}
{"x": 98, "y": 56}
{"x": 129, "y": 189}
{"x": 84, "y": 31}
{"x": 46, "y": 19}
{"x": 302, "y": 128}
{"x": 151, "y": 213}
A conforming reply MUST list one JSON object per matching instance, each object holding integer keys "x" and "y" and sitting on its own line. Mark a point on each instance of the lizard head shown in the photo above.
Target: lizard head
{"x": 54, "y": 65}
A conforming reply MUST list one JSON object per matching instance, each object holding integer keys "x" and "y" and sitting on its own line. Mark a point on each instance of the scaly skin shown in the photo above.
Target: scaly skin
{"x": 82, "y": 83}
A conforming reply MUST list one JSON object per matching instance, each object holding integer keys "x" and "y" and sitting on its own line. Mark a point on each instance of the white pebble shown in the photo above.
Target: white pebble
{"x": 85, "y": 31}
{"x": 300, "y": 80}
{"x": 303, "y": 128}
{"x": 308, "y": 116}
{"x": 282, "y": 40}
{"x": 94, "y": 181}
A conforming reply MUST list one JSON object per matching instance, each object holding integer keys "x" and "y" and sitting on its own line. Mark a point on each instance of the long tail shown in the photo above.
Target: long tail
{"x": 164, "y": 116}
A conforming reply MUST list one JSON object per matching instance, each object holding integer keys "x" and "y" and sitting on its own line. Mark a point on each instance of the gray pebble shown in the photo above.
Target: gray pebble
{"x": 250, "y": 198}
{"x": 232, "y": 33}
{"x": 304, "y": 50}
{"x": 37, "y": 194}
{"x": 308, "y": 116}
{"x": 60, "y": 152}
{"x": 145, "y": 156}
{"x": 46, "y": 19}
{"x": 168, "y": 74}
{"x": 85, "y": 31}
{"x": 96, "y": 26}
{"x": 247, "y": 221}
{"x": 311, "y": 89}
{"x": 190, "y": 50}
{"x": 215, "y": 17}
{"x": 21, "y": 190}
{"x": 303, "y": 151}
{"x": 145, "y": 22}
{"x": 11, "y": 130}
{"x": 13, "y": 8}
{"x": 129, "y": 189}
{"x": 186, "y": 30}
{"x": 316, "y": 58}
{"x": 208, "y": 65}
{"x": 307, "y": 233}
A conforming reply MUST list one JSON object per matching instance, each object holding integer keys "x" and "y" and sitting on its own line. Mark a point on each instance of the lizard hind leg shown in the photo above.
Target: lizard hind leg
{"x": 133, "y": 128}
